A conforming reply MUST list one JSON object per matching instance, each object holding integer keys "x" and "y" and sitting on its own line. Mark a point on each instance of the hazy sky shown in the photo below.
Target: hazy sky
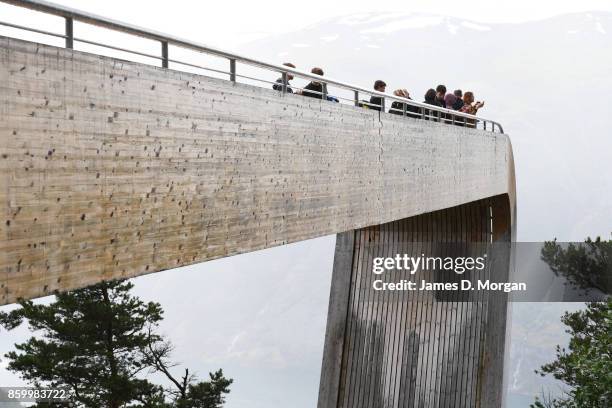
{"x": 256, "y": 342}
{"x": 228, "y": 23}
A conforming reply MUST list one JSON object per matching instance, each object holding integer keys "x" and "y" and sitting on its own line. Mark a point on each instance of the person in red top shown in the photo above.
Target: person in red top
{"x": 471, "y": 107}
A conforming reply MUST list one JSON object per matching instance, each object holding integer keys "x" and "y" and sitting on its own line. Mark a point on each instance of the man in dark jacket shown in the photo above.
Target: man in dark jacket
{"x": 459, "y": 102}
{"x": 440, "y": 95}
{"x": 315, "y": 89}
{"x": 431, "y": 98}
{"x": 278, "y": 86}
{"x": 376, "y": 102}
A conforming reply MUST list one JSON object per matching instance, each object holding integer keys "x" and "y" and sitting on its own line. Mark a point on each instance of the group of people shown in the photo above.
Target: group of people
{"x": 456, "y": 101}
{"x": 314, "y": 89}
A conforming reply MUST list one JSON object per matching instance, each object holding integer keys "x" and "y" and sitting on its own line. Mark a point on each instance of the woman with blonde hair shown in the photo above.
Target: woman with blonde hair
{"x": 397, "y": 107}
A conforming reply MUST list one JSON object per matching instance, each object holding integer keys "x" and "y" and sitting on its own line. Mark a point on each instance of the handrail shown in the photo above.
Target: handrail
{"x": 70, "y": 15}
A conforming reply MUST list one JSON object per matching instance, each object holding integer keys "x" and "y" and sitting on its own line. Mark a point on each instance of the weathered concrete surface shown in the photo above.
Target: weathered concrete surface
{"x": 113, "y": 169}
{"x": 419, "y": 349}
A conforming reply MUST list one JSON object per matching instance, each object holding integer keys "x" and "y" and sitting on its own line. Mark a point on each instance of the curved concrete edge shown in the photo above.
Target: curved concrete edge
{"x": 477, "y": 380}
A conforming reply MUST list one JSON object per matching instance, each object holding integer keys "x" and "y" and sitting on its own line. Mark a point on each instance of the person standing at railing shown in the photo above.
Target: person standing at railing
{"x": 471, "y": 107}
{"x": 315, "y": 89}
{"x": 397, "y": 107}
{"x": 450, "y": 100}
{"x": 459, "y": 102}
{"x": 401, "y": 108}
{"x": 431, "y": 99}
{"x": 441, "y": 98}
{"x": 278, "y": 86}
{"x": 457, "y": 105}
{"x": 440, "y": 95}
{"x": 377, "y": 102}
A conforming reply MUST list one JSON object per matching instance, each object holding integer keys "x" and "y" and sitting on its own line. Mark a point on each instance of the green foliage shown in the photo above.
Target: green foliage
{"x": 586, "y": 365}
{"x": 550, "y": 402}
{"x": 100, "y": 342}
{"x": 206, "y": 394}
{"x": 586, "y": 265}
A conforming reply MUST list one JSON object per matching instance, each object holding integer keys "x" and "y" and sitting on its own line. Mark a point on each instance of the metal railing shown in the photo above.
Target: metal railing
{"x": 70, "y": 15}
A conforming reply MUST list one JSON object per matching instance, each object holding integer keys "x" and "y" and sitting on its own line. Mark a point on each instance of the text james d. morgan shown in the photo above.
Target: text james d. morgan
{"x": 405, "y": 284}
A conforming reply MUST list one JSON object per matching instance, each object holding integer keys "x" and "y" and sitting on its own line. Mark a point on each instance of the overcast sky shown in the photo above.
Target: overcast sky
{"x": 229, "y": 23}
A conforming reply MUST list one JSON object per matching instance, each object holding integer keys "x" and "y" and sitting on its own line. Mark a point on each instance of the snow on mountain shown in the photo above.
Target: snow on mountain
{"x": 405, "y": 23}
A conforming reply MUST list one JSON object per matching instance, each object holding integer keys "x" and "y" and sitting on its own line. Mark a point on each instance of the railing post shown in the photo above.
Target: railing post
{"x": 69, "y": 32}
{"x": 164, "y": 51}
{"x": 426, "y": 112}
{"x": 285, "y": 80}
{"x": 232, "y": 70}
